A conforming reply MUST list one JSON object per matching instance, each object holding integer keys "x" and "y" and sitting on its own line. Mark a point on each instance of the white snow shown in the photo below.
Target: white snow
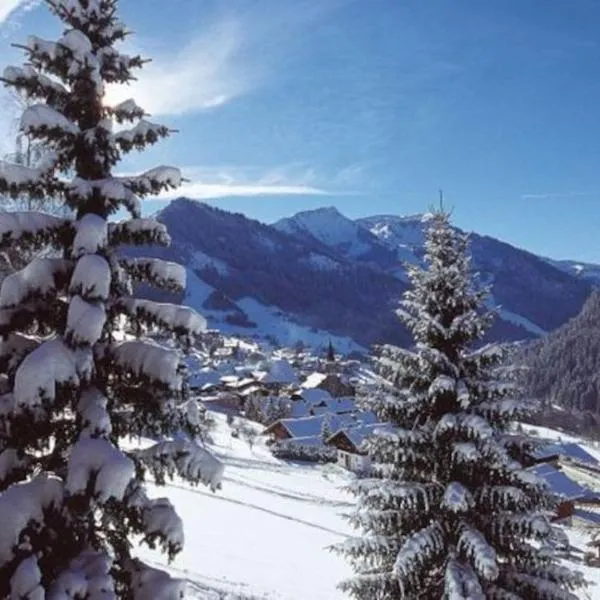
{"x": 126, "y": 232}
{"x": 154, "y": 181}
{"x": 92, "y": 408}
{"x": 190, "y": 461}
{"x": 98, "y": 457}
{"x": 142, "y": 132}
{"x": 13, "y": 225}
{"x": 18, "y": 176}
{"x": 91, "y": 278}
{"x": 38, "y": 277}
{"x": 200, "y": 260}
{"x": 265, "y": 534}
{"x": 163, "y": 273}
{"x": 85, "y": 321}
{"x": 153, "y": 584}
{"x": 23, "y": 503}
{"x": 41, "y": 118}
{"x": 26, "y": 580}
{"x": 87, "y": 576}
{"x": 514, "y": 318}
{"x": 49, "y": 364}
{"x": 329, "y": 226}
{"x": 270, "y": 320}
{"x": 169, "y": 316}
{"x": 149, "y": 359}
{"x": 91, "y": 235}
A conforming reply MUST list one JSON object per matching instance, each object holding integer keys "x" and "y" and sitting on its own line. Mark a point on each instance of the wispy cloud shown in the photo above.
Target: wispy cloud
{"x": 557, "y": 195}
{"x": 9, "y": 7}
{"x": 222, "y": 182}
{"x": 234, "y": 55}
{"x": 205, "y": 73}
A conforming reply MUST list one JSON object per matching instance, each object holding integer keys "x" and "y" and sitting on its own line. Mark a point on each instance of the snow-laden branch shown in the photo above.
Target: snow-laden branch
{"x": 41, "y": 278}
{"x": 91, "y": 235}
{"x": 165, "y": 275}
{"x": 138, "y": 232}
{"x": 149, "y": 360}
{"x": 30, "y": 228}
{"x": 91, "y": 278}
{"x": 178, "y": 319}
{"x": 25, "y": 503}
{"x": 184, "y": 458}
{"x": 97, "y": 461}
{"x": 154, "y": 181}
{"x": 143, "y": 134}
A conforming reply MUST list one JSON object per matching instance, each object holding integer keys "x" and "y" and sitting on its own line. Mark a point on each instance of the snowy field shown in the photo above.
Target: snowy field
{"x": 264, "y": 535}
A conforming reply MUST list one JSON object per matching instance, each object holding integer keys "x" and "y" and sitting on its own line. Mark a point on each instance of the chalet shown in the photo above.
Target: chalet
{"x": 337, "y": 406}
{"x": 350, "y": 442}
{"x": 330, "y": 382}
{"x": 565, "y": 453}
{"x": 276, "y": 374}
{"x": 307, "y": 426}
{"x": 205, "y": 379}
{"x": 568, "y": 492}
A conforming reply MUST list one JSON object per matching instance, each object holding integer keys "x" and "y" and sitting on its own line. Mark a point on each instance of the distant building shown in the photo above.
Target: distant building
{"x": 350, "y": 445}
{"x": 569, "y": 493}
{"x": 331, "y": 382}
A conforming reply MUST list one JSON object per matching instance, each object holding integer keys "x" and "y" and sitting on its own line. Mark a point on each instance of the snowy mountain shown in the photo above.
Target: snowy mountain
{"x": 583, "y": 270}
{"x": 319, "y": 274}
{"x": 332, "y": 229}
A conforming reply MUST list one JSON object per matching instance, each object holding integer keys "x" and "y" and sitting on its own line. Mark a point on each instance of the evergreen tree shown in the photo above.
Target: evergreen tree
{"x": 448, "y": 511}
{"x": 326, "y": 432}
{"x": 71, "y": 496}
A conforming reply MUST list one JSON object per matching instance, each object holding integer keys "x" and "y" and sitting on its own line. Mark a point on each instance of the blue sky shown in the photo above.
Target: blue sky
{"x": 372, "y": 106}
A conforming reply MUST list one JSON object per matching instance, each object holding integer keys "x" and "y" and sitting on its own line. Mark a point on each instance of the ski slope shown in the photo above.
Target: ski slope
{"x": 264, "y": 536}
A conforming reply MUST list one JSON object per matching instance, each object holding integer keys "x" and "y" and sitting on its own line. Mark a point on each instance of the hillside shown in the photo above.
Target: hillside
{"x": 320, "y": 274}
{"x": 564, "y": 367}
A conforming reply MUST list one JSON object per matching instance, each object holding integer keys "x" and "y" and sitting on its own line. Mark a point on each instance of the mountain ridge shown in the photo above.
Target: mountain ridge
{"x": 320, "y": 273}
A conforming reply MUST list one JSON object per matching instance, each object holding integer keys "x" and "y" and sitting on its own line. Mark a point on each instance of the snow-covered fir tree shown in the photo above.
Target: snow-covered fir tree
{"x": 448, "y": 510}
{"x": 72, "y": 497}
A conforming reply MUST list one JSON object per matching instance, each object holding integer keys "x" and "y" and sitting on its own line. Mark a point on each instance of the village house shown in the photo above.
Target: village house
{"x": 570, "y": 453}
{"x": 350, "y": 446}
{"x": 570, "y": 494}
{"x": 331, "y": 382}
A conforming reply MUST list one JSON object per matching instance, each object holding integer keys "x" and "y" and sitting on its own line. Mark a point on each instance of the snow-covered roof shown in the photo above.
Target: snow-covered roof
{"x": 277, "y": 371}
{"x": 312, "y": 440}
{"x": 312, "y": 426}
{"x": 590, "y": 517}
{"x": 560, "y": 484}
{"x": 241, "y": 383}
{"x": 205, "y": 376}
{"x": 299, "y": 408}
{"x": 314, "y": 380}
{"x": 251, "y": 389}
{"x": 568, "y": 450}
{"x": 358, "y": 434}
{"x": 315, "y": 395}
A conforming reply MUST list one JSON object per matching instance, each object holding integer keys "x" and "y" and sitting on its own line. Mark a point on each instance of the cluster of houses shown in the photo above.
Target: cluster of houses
{"x": 320, "y": 407}
{"x": 321, "y": 414}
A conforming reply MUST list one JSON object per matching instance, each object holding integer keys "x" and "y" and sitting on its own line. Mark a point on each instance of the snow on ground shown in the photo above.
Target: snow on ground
{"x": 265, "y": 534}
